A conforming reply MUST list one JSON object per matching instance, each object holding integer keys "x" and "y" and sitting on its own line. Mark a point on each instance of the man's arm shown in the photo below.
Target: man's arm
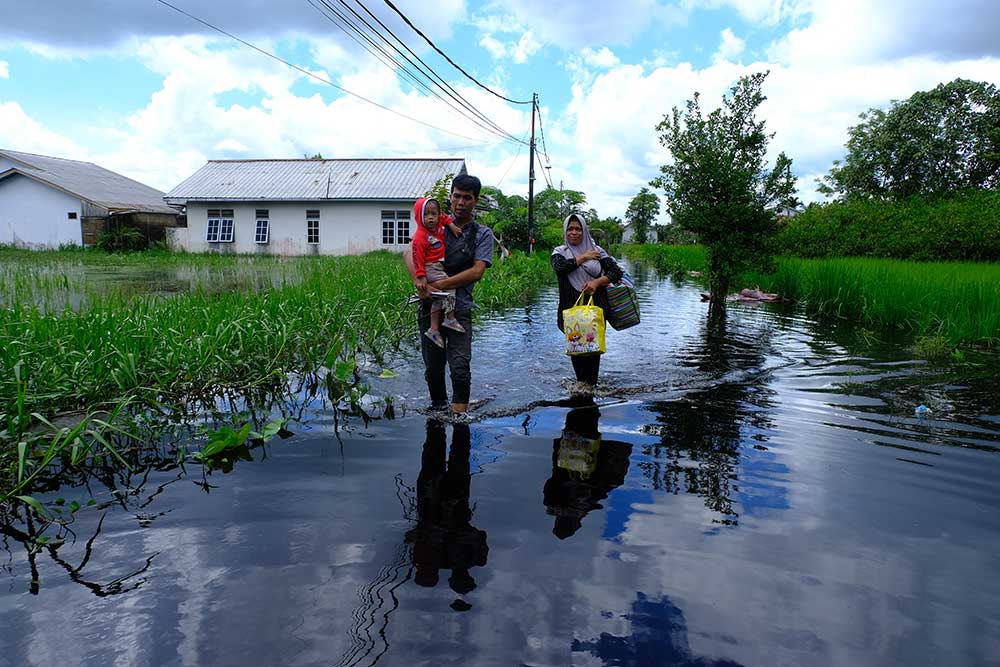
{"x": 463, "y": 278}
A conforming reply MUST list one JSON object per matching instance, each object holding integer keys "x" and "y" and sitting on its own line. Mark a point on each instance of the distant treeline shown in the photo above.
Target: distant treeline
{"x": 963, "y": 226}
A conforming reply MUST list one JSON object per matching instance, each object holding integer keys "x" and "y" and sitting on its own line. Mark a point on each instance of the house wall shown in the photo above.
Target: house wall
{"x": 345, "y": 228}
{"x": 34, "y": 215}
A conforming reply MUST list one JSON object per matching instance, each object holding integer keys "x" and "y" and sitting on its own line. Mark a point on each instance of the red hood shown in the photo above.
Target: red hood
{"x": 418, "y": 210}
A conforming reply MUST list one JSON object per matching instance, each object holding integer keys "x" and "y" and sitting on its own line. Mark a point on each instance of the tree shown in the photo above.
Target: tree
{"x": 718, "y": 185}
{"x": 641, "y": 213}
{"x": 934, "y": 143}
{"x": 441, "y": 190}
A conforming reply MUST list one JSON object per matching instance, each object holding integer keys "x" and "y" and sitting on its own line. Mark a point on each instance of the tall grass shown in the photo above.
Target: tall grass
{"x": 956, "y": 300}
{"x": 242, "y": 325}
{"x": 960, "y": 301}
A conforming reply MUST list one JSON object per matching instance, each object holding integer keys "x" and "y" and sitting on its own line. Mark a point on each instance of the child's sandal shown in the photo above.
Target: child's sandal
{"x": 435, "y": 337}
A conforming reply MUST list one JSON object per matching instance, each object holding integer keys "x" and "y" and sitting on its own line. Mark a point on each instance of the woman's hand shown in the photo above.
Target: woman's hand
{"x": 587, "y": 256}
{"x": 592, "y": 286}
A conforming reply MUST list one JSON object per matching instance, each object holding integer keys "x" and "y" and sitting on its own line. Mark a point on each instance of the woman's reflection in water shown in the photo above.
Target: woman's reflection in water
{"x": 444, "y": 537}
{"x": 585, "y": 468}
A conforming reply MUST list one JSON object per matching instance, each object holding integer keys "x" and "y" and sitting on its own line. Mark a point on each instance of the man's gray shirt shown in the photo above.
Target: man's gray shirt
{"x": 483, "y": 252}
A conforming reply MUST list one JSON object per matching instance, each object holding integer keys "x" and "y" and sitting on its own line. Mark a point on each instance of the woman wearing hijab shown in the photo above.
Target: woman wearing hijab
{"x": 582, "y": 266}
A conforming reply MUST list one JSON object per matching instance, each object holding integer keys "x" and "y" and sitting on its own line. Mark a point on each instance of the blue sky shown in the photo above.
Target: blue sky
{"x": 141, "y": 89}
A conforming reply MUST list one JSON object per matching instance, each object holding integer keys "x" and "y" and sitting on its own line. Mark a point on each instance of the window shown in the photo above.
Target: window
{"x": 71, "y": 215}
{"x": 395, "y": 227}
{"x": 220, "y": 226}
{"x": 312, "y": 226}
{"x": 262, "y": 232}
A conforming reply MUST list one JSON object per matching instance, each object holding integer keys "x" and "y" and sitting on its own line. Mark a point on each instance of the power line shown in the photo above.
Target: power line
{"x": 311, "y": 74}
{"x": 443, "y": 85}
{"x": 413, "y": 71}
{"x": 512, "y": 162}
{"x": 546, "y": 168}
{"x": 445, "y": 56}
{"x": 379, "y": 53}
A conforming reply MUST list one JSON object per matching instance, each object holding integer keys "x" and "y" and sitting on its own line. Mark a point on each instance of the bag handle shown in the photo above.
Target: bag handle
{"x": 580, "y": 300}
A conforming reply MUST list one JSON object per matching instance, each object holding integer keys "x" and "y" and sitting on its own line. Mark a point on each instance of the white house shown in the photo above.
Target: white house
{"x": 47, "y": 201}
{"x": 303, "y": 207}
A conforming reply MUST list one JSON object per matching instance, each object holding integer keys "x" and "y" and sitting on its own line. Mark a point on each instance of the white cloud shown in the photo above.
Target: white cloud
{"x": 572, "y": 25}
{"x": 858, "y": 31}
{"x": 18, "y": 131}
{"x": 4, "y": 70}
{"x": 755, "y": 11}
{"x": 185, "y": 123}
{"x": 603, "y": 58}
{"x": 730, "y": 47}
{"x": 496, "y": 48}
{"x": 70, "y": 27}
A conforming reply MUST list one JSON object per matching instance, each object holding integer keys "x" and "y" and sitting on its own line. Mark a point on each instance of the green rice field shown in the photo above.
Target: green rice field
{"x": 958, "y": 301}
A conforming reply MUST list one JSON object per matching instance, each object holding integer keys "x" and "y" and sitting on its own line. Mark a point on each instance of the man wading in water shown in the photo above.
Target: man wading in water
{"x": 466, "y": 258}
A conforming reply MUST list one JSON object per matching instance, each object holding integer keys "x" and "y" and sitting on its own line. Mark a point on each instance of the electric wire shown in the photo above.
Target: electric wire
{"x": 347, "y": 25}
{"x": 452, "y": 62}
{"x": 427, "y": 70}
{"x": 311, "y": 74}
{"x": 510, "y": 166}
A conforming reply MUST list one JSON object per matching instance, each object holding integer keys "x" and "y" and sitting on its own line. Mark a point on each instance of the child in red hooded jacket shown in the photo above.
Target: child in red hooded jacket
{"x": 428, "y": 263}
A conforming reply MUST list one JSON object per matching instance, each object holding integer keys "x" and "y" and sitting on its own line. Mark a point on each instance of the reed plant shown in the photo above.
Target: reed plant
{"x": 245, "y": 324}
{"x": 956, "y": 301}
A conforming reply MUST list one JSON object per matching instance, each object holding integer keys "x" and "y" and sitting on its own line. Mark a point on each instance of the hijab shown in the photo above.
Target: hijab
{"x": 591, "y": 268}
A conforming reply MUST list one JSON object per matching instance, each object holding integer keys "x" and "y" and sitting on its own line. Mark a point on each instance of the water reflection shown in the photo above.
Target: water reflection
{"x": 705, "y": 434}
{"x": 444, "y": 537}
{"x": 585, "y": 469}
{"x": 659, "y": 636}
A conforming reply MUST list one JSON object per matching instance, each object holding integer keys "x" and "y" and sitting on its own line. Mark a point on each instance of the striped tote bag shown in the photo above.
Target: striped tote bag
{"x": 623, "y": 304}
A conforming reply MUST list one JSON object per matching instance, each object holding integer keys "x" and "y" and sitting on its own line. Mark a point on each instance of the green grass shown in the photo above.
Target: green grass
{"x": 73, "y": 340}
{"x": 959, "y": 301}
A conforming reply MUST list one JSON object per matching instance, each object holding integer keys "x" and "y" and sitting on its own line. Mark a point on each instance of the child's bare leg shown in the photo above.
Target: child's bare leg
{"x": 436, "y": 319}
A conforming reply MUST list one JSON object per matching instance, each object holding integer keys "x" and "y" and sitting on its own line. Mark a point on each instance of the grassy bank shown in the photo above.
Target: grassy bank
{"x": 68, "y": 342}
{"x": 104, "y": 340}
{"x": 957, "y": 301}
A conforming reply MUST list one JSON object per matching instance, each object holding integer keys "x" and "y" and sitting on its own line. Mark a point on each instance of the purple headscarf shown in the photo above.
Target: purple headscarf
{"x": 591, "y": 268}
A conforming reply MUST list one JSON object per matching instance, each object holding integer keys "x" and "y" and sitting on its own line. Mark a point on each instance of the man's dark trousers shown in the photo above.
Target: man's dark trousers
{"x": 457, "y": 354}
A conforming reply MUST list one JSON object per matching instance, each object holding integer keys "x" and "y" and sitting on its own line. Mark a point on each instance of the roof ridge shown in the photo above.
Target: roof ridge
{"x": 47, "y": 157}
{"x": 342, "y": 159}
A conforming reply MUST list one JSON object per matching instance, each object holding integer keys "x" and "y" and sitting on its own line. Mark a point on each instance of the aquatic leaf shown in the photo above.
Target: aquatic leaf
{"x": 271, "y": 429}
{"x": 387, "y": 373}
{"x": 35, "y": 505}
{"x": 344, "y": 370}
{"x": 22, "y": 448}
{"x": 73, "y": 506}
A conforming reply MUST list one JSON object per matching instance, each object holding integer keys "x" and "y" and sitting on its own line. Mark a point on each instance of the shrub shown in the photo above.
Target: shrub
{"x": 965, "y": 226}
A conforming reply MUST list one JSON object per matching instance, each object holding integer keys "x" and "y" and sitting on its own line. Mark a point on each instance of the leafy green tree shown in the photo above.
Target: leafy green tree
{"x": 936, "y": 142}
{"x": 441, "y": 190}
{"x": 641, "y": 213}
{"x": 718, "y": 185}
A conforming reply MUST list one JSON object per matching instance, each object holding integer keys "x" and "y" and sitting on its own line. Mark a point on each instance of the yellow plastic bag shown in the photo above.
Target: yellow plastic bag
{"x": 584, "y": 327}
{"x": 578, "y": 454}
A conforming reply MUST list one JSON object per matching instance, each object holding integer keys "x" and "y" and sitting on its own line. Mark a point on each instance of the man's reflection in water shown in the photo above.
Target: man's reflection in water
{"x": 585, "y": 469}
{"x": 445, "y": 537}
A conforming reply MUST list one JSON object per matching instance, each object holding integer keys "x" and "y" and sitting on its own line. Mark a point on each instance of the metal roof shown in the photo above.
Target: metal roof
{"x": 85, "y": 180}
{"x": 304, "y": 180}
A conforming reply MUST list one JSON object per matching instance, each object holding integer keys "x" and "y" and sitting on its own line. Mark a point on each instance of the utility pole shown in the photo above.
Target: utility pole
{"x": 531, "y": 176}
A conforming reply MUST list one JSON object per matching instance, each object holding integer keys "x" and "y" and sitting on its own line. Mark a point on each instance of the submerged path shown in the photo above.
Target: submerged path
{"x": 744, "y": 493}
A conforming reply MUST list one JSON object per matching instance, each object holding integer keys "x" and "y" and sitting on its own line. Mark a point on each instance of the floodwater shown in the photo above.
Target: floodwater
{"x": 754, "y": 491}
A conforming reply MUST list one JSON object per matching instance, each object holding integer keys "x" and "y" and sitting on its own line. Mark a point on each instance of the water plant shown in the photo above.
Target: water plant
{"x": 73, "y": 342}
{"x": 959, "y": 301}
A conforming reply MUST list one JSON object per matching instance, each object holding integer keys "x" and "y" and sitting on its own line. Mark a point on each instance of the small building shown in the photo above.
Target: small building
{"x": 47, "y": 201}
{"x": 305, "y": 206}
